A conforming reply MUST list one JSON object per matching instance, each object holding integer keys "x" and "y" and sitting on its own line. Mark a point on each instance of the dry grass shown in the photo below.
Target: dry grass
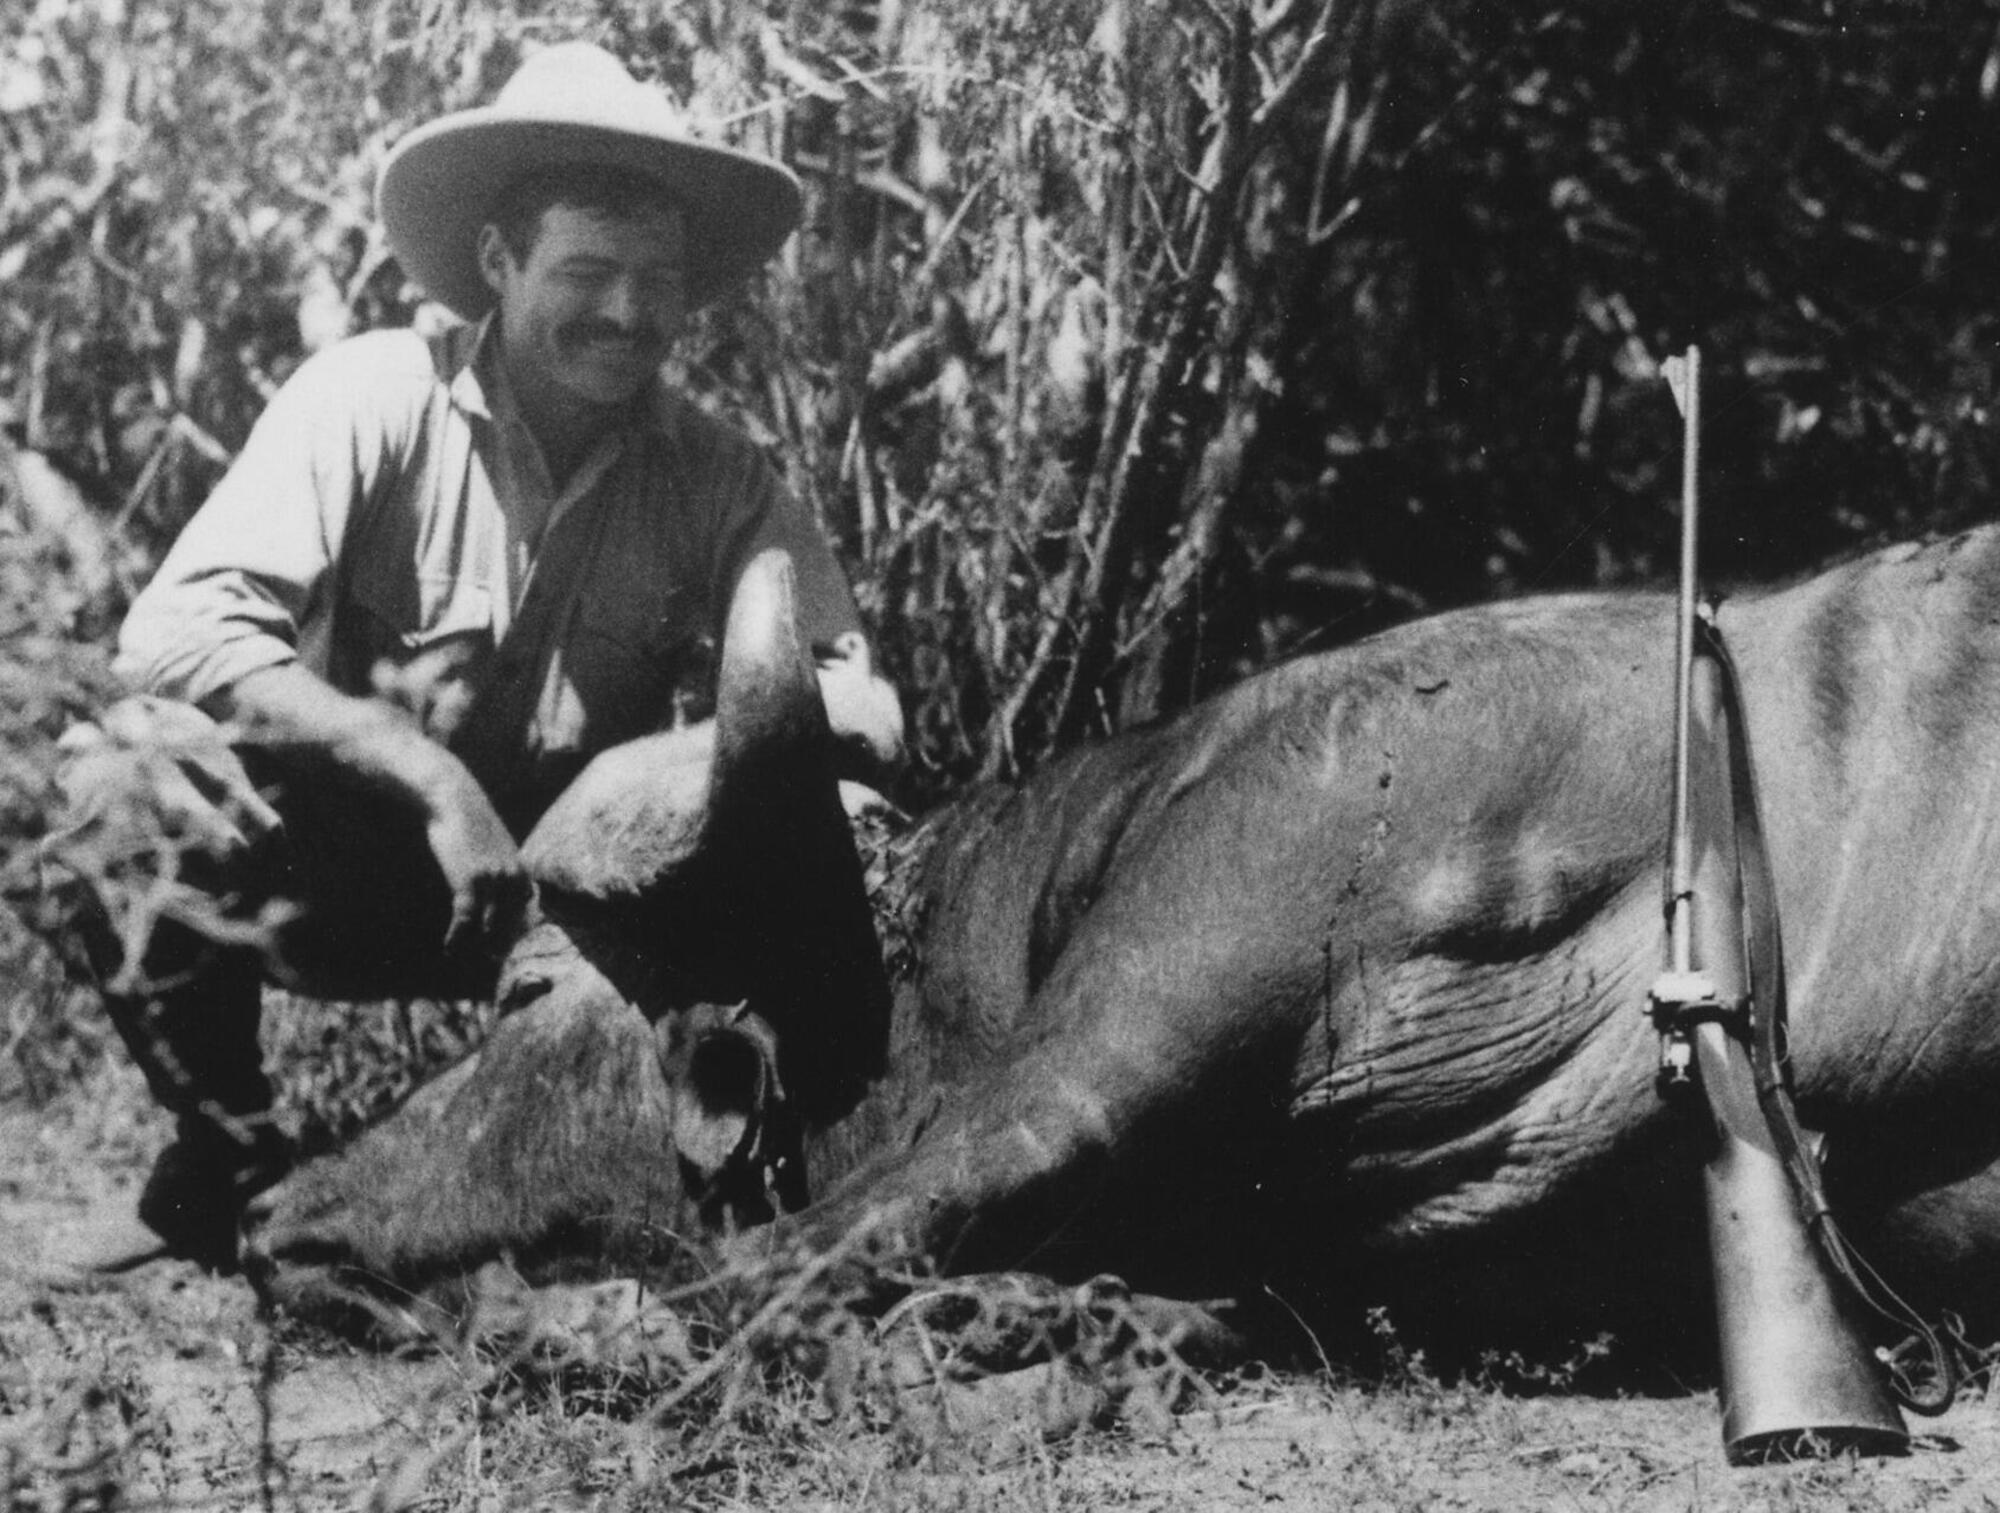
{"x": 169, "y": 1390}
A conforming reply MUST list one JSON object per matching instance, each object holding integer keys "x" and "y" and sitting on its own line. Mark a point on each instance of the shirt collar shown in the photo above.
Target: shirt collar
{"x": 478, "y": 354}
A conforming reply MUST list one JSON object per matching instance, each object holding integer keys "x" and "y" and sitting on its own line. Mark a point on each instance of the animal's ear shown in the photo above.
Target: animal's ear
{"x": 733, "y": 1128}
{"x": 721, "y": 1072}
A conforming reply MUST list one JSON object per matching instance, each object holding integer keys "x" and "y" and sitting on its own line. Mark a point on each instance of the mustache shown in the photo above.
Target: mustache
{"x": 603, "y": 330}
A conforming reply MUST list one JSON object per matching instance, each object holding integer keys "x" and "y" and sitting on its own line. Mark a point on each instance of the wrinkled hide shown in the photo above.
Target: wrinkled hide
{"x": 1335, "y": 982}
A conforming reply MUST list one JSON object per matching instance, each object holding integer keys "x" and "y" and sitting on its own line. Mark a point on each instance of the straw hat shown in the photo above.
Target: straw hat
{"x": 575, "y": 103}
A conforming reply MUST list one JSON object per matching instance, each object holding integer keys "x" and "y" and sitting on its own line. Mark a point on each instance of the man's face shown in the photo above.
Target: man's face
{"x": 587, "y": 315}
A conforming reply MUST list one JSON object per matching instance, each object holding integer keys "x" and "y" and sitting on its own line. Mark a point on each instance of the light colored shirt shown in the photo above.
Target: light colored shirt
{"x": 391, "y": 508}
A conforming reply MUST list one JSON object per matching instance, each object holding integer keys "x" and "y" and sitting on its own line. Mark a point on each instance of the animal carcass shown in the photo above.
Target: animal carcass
{"x": 1333, "y": 984}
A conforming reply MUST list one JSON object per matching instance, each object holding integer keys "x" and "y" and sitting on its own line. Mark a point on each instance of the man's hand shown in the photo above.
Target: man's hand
{"x": 861, "y": 707}
{"x": 490, "y": 889}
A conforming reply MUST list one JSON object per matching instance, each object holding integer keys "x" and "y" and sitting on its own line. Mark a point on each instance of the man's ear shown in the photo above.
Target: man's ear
{"x": 494, "y": 258}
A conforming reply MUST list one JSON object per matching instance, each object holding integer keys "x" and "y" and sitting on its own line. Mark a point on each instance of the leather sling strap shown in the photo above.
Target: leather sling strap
{"x": 1925, "y": 1391}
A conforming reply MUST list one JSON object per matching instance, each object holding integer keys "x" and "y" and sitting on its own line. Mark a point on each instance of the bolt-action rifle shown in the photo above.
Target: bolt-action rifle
{"x": 1797, "y": 1377}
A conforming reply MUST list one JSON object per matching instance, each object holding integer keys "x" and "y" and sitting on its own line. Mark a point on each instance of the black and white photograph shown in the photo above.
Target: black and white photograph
{"x": 1039, "y": 755}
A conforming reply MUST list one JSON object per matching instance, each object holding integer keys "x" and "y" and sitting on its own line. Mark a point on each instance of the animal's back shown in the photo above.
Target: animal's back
{"x": 1462, "y": 787}
{"x": 1873, "y": 701}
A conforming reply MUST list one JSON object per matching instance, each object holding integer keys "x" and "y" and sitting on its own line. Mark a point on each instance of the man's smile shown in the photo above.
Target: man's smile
{"x": 605, "y": 342}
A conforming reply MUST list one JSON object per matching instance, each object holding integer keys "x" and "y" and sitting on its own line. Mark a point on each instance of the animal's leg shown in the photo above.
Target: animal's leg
{"x": 1149, "y": 1076}
{"x": 1940, "y": 1246}
{"x": 1156, "y": 1094}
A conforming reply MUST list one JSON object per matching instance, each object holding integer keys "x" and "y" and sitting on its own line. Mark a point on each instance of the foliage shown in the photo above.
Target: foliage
{"x": 52, "y": 673}
{"x": 1129, "y": 345}
{"x": 341, "y": 1068}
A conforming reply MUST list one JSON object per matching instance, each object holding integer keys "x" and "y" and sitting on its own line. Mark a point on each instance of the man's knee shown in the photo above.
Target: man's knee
{"x": 158, "y": 824}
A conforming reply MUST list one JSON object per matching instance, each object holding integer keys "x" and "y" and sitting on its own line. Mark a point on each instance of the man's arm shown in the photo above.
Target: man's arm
{"x": 861, "y": 706}
{"x": 251, "y": 571}
{"x": 290, "y": 709}
{"x": 220, "y": 624}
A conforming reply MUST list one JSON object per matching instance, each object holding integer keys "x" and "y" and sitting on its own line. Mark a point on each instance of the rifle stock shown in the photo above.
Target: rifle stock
{"x": 1797, "y": 1376}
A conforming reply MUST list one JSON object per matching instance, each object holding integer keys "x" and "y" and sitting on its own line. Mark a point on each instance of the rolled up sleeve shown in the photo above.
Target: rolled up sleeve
{"x": 246, "y": 582}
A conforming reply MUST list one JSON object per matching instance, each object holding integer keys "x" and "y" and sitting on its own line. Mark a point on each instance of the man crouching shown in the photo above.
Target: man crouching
{"x": 442, "y": 574}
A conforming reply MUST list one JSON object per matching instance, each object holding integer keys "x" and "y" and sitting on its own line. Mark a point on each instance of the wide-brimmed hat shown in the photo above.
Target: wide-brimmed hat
{"x": 574, "y": 103}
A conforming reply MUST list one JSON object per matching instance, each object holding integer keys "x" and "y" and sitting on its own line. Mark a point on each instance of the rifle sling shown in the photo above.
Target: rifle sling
{"x": 1770, "y": 1062}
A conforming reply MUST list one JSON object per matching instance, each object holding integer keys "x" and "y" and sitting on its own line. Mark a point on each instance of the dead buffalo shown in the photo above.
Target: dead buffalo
{"x": 1331, "y": 987}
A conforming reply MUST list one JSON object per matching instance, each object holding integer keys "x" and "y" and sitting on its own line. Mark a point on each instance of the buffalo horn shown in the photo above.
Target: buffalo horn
{"x": 715, "y": 863}
{"x": 787, "y": 902}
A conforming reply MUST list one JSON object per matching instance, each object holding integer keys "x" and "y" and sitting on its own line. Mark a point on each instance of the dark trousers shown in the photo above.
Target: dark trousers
{"x": 183, "y": 874}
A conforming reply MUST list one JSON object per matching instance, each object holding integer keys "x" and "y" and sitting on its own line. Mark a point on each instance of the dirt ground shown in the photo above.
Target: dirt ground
{"x": 166, "y": 1389}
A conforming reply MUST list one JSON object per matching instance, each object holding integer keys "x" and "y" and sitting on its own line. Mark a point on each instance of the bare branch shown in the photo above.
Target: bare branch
{"x": 1318, "y": 44}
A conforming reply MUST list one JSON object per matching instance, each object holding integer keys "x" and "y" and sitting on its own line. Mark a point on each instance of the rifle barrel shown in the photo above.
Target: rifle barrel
{"x": 1680, "y": 858}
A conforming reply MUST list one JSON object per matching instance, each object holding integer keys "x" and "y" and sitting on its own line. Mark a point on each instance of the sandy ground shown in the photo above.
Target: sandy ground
{"x": 166, "y": 1389}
